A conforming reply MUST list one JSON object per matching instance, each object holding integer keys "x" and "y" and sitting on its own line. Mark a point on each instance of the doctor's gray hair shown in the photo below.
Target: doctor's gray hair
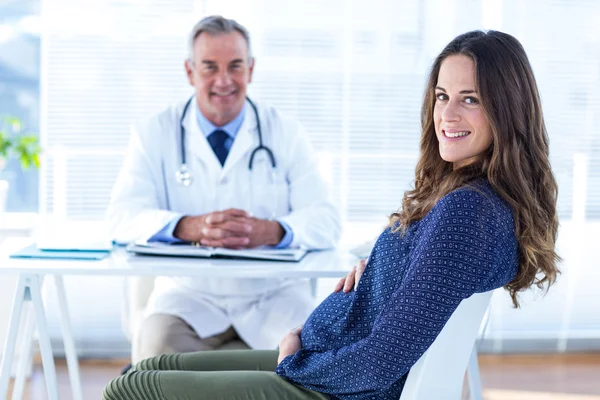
{"x": 217, "y": 25}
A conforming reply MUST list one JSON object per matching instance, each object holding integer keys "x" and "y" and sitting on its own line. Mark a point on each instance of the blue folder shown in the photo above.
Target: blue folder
{"x": 33, "y": 252}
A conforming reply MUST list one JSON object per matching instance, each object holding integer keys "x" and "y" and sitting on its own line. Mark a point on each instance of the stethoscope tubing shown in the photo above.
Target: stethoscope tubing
{"x": 183, "y": 169}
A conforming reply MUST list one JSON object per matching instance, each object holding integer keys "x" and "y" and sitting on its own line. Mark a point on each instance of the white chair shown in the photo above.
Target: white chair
{"x": 440, "y": 372}
{"x": 137, "y": 290}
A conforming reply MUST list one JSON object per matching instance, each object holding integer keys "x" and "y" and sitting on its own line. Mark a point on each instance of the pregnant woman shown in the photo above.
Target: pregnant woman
{"x": 482, "y": 215}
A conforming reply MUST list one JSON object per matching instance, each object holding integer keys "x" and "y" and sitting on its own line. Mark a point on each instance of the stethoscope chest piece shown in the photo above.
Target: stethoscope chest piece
{"x": 183, "y": 175}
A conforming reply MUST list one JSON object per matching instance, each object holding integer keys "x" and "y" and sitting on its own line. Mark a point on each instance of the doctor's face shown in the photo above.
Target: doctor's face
{"x": 220, "y": 72}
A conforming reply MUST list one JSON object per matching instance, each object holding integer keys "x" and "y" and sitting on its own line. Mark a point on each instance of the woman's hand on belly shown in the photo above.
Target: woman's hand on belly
{"x": 350, "y": 281}
{"x": 290, "y": 344}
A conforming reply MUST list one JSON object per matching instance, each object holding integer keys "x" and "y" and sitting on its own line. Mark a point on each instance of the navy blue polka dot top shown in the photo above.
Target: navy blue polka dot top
{"x": 361, "y": 344}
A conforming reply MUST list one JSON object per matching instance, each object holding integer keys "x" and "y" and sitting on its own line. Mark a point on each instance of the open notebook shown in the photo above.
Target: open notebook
{"x": 190, "y": 250}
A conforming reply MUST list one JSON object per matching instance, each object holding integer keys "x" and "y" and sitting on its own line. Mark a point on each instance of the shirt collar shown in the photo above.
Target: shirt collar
{"x": 231, "y": 128}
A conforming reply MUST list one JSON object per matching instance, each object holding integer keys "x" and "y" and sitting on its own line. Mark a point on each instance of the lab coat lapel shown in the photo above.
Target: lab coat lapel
{"x": 196, "y": 141}
{"x": 244, "y": 142}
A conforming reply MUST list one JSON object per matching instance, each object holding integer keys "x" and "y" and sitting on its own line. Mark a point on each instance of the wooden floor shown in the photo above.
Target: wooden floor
{"x": 538, "y": 377}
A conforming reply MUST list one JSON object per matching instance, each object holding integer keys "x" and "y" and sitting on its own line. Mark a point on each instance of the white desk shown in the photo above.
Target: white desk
{"x": 325, "y": 264}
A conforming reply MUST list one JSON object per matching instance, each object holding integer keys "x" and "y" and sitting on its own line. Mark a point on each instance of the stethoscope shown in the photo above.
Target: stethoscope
{"x": 184, "y": 176}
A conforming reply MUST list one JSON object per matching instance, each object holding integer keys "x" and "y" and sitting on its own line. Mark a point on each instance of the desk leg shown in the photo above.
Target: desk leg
{"x": 44, "y": 337}
{"x": 21, "y": 294}
{"x": 70, "y": 351}
{"x": 26, "y": 355}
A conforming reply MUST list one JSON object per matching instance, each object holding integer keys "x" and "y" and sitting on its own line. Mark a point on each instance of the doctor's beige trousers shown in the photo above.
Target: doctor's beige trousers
{"x": 208, "y": 375}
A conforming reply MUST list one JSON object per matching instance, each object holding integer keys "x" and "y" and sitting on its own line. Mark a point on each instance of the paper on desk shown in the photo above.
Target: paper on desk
{"x": 32, "y": 251}
{"x": 61, "y": 234}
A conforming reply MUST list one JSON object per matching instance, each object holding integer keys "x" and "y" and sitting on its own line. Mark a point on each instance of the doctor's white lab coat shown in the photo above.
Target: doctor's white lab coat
{"x": 147, "y": 196}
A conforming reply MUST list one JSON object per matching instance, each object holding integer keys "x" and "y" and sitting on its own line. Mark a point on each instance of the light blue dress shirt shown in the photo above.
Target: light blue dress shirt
{"x": 231, "y": 128}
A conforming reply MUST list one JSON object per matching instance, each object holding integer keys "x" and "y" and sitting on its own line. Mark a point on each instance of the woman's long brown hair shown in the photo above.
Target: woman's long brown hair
{"x": 517, "y": 164}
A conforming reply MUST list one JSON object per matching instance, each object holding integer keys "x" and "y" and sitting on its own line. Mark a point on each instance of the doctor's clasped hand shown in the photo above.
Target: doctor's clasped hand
{"x": 232, "y": 228}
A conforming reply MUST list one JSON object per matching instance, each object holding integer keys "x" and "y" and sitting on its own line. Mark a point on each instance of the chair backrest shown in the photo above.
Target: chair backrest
{"x": 136, "y": 293}
{"x": 440, "y": 372}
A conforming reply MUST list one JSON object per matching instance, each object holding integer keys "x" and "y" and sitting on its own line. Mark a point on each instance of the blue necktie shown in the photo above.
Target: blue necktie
{"x": 217, "y": 141}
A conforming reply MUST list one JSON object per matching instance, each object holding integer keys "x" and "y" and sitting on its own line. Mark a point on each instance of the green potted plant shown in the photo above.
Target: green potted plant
{"x": 14, "y": 143}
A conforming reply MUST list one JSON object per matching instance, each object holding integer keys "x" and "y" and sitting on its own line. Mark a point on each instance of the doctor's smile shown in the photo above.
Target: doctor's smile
{"x": 224, "y": 96}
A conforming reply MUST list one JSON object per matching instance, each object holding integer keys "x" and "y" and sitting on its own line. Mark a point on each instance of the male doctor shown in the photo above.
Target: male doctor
{"x": 218, "y": 200}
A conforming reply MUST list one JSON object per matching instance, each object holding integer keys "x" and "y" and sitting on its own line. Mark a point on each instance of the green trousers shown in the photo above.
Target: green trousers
{"x": 208, "y": 375}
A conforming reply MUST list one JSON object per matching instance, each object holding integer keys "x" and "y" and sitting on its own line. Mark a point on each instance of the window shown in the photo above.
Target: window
{"x": 19, "y": 91}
